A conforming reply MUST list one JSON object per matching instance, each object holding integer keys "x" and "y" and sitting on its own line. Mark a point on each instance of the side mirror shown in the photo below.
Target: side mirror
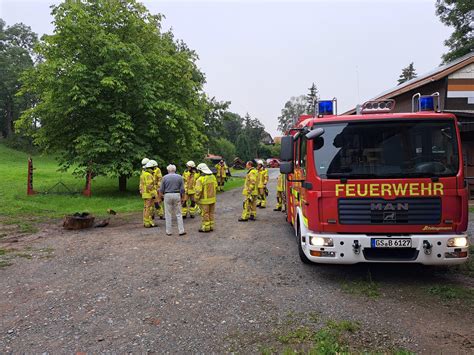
{"x": 315, "y": 133}
{"x": 286, "y": 152}
{"x": 286, "y": 167}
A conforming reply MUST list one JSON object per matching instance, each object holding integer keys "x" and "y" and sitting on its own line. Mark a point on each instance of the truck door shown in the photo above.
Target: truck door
{"x": 300, "y": 173}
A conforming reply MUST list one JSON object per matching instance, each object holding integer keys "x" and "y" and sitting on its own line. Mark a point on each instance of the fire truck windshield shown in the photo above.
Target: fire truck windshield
{"x": 387, "y": 149}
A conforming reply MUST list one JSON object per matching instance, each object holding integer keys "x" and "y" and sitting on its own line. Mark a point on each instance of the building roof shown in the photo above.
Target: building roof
{"x": 434, "y": 75}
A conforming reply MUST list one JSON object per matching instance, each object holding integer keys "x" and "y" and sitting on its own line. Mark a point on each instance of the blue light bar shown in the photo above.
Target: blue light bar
{"x": 325, "y": 107}
{"x": 426, "y": 103}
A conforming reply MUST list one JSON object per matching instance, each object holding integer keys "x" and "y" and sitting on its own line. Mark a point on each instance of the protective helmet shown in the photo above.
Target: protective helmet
{"x": 154, "y": 163}
{"x": 150, "y": 165}
{"x": 204, "y": 169}
{"x": 145, "y": 161}
{"x": 190, "y": 164}
{"x": 260, "y": 162}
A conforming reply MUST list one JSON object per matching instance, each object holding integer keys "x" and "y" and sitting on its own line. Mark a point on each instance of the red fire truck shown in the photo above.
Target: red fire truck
{"x": 377, "y": 186}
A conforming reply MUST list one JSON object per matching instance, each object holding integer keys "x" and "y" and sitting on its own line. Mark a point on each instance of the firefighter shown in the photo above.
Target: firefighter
{"x": 149, "y": 193}
{"x": 189, "y": 176}
{"x": 144, "y": 162}
{"x": 280, "y": 181}
{"x": 206, "y": 186}
{"x": 157, "y": 176}
{"x": 262, "y": 184}
{"x": 250, "y": 192}
{"x": 221, "y": 168}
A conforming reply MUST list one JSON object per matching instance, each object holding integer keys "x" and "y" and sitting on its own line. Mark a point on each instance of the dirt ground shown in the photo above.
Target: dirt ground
{"x": 124, "y": 288}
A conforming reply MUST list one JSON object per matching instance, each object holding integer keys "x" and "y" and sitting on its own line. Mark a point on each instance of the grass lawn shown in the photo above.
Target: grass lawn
{"x": 233, "y": 183}
{"x": 15, "y": 204}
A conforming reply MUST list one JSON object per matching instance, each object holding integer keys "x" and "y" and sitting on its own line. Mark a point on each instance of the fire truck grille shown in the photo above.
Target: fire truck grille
{"x": 399, "y": 254}
{"x": 406, "y": 211}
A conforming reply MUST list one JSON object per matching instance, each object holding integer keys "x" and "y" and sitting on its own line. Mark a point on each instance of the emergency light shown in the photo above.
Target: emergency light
{"x": 425, "y": 102}
{"x": 326, "y": 107}
{"x": 378, "y": 106}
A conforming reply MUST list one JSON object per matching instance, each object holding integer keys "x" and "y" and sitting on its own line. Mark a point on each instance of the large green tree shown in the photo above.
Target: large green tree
{"x": 113, "y": 88}
{"x": 458, "y": 14}
{"x": 16, "y": 56}
{"x": 408, "y": 73}
{"x": 249, "y": 139}
{"x": 294, "y": 108}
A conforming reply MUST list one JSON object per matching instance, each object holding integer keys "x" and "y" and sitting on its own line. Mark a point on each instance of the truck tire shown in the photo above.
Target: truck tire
{"x": 303, "y": 256}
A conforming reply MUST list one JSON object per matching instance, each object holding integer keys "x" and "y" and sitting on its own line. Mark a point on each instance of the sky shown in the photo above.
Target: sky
{"x": 258, "y": 54}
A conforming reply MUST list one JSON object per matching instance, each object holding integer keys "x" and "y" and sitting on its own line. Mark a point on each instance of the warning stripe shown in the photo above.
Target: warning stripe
{"x": 461, "y": 87}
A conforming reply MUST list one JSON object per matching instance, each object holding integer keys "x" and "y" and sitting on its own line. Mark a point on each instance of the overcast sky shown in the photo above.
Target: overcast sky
{"x": 257, "y": 54}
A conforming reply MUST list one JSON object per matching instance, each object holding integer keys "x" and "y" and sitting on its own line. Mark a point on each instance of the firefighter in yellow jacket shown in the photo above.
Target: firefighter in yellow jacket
{"x": 189, "y": 176}
{"x": 206, "y": 186}
{"x": 157, "y": 176}
{"x": 221, "y": 175}
{"x": 262, "y": 184}
{"x": 144, "y": 163}
{"x": 250, "y": 192}
{"x": 280, "y": 191}
{"x": 149, "y": 193}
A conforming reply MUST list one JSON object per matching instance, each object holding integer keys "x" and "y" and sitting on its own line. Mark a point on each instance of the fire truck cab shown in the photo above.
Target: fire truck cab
{"x": 377, "y": 186}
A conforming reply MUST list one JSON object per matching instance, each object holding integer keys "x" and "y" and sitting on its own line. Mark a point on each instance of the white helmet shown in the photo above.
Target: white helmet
{"x": 149, "y": 164}
{"x": 145, "y": 161}
{"x": 204, "y": 169}
{"x": 154, "y": 163}
{"x": 260, "y": 162}
{"x": 190, "y": 164}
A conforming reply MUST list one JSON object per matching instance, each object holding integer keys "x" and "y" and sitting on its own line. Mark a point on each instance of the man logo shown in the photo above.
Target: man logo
{"x": 389, "y": 217}
{"x": 389, "y": 206}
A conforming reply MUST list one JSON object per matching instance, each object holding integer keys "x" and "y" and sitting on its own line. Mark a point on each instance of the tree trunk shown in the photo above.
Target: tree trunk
{"x": 122, "y": 183}
{"x": 8, "y": 130}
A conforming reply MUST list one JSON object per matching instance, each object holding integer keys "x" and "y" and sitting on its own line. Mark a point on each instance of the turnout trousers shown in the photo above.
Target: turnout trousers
{"x": 250, "y": 207}
{"x": 220, "y": 183}
{"x": 148, "y": 205}
{"x": 207, "y": 213}
{"x": 262, "y": 198}
{"x": 189, "y": 205}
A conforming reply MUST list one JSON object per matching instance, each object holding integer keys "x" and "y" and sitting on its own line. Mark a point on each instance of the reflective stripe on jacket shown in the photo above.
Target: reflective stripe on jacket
{"x": 148, "y": 185}
{"x": 190, "y": 179}
{"x": 221, "y": 170}
{"x": 250, "y": 186}
{"x": 206, "y": 186}
{"x": 157, "y": 176}
{"x": 262, "y": 178}
{"x": 280, "y": 183}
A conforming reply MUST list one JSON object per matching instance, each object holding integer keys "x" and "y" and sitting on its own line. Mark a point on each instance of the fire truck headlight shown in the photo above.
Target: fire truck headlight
{"x": 458, "y": 242}
{"x": 321, "y": 242}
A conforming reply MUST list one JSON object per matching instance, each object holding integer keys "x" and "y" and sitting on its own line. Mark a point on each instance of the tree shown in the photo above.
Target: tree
{"x": 311, "y": 99}
{"x": 214, "y": 117}
{"x": 408, "y": 73}
{"x": 224, "y": 148}
{"x": 232, "y": 126}
{"x": 248, "y": 141}
{"x": 458, "y": 14}
{"x": 113, "y": 88}
{"x": 294, "y": 108}
{"x": 16, "y": 56}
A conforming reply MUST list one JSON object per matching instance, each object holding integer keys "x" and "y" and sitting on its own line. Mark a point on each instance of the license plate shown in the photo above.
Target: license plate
{"x": 391, "y": 243}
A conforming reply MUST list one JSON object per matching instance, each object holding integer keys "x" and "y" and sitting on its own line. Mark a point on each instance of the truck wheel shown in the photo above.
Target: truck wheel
{"x": 303, "y": 256}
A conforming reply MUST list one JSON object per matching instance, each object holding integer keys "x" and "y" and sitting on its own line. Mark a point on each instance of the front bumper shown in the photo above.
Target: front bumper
{"x": 427, "y": 249}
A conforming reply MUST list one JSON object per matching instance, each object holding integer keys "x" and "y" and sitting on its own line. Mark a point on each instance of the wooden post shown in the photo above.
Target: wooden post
{"x": 29, "y": 189}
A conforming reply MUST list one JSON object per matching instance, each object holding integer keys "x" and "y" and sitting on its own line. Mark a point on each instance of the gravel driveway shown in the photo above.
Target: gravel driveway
{"x": 124, "y": 288}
